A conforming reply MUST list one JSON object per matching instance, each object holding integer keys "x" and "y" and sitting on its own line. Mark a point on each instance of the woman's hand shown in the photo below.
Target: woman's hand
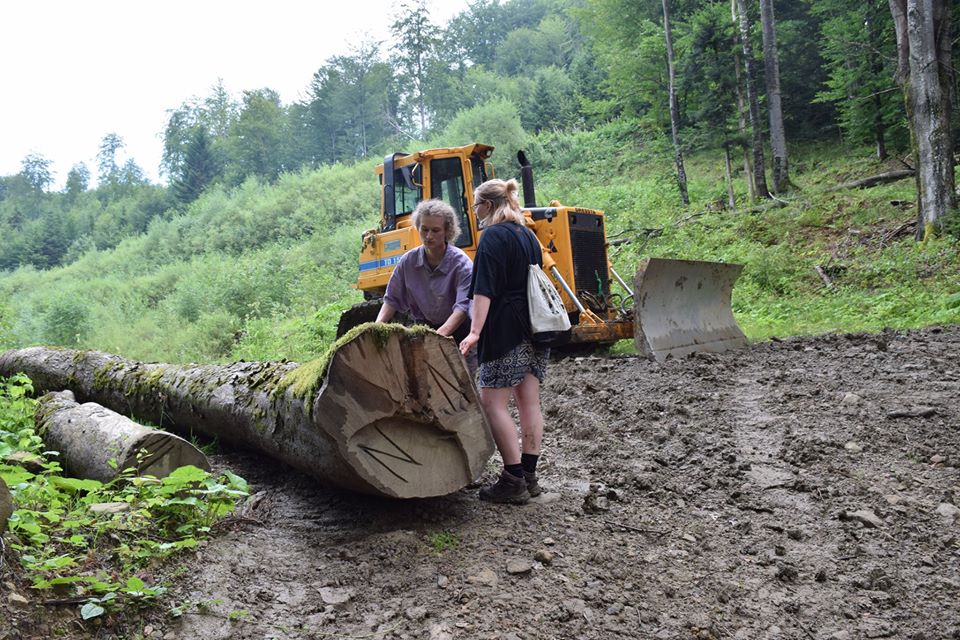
{"x": 469, "y": 342}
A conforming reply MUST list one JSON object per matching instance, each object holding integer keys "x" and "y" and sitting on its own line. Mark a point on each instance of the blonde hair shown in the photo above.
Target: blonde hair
{"x": 502, "y": 196}
{"x": 439, "y": 209}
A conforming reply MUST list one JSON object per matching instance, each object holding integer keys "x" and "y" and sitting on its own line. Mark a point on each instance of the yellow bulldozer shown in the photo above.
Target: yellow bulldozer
{"x": 673, "y": 307}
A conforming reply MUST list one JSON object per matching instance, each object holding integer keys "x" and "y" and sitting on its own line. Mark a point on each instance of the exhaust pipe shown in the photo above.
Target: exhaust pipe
{"x": 526, "y": 179}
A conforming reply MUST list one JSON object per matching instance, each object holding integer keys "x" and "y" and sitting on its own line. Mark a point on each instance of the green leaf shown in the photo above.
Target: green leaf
{"x": 69, "y": 580}
{"x": 91, "y": 610}
{"x": 185, "y": 475}
{"x": 75, "y": 484}
{"x": 58, "y": 562}
{"x": 14, "y": 475}
{"x": 135, "y": 584}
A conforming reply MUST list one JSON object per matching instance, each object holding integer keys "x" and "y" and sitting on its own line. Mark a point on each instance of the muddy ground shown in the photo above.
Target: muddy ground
{"x": 803, "y": 489}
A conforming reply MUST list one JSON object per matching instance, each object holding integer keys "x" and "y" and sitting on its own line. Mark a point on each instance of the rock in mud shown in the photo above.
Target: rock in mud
{"x": 17, "y": 600}
{"x": 485, "y": 577}
{"x": 594, "y": 503}
{"x": 335, "y": 597}
{"x": 948, "y": 510}
{"x": 853, "y": 447}
{"x": 109, "y": 507}
{"x": 519, "y": 567}
{"x": 415, "y": 614}
{"x": 543, "y": 556}
{"x": 864, "y": 516}
{"x": 850, "y": 403}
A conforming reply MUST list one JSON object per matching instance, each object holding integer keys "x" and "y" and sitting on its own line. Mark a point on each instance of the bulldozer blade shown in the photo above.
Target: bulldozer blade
{"x": 683, "y": 306}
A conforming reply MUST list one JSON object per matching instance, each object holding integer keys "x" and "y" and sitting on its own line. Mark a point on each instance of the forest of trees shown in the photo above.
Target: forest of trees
{"x": 748, "y": 76}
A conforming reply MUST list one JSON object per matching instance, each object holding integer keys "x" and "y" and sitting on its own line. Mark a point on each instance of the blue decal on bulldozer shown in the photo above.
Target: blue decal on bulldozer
{"x": 377, "y": 264}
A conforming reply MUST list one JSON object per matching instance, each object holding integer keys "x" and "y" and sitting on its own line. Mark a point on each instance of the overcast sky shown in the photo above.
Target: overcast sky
{"x": 74, "y": 71}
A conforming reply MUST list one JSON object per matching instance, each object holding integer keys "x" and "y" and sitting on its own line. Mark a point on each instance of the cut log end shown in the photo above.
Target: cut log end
{"x": 159, "y": 454}
{"x": 409, "y": 415}
{"x": 410, "y": 458}
{"x": 97, "y": 443}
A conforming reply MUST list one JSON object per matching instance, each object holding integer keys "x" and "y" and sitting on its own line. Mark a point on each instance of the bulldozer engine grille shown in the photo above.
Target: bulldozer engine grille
{"x": 588, "y": 244}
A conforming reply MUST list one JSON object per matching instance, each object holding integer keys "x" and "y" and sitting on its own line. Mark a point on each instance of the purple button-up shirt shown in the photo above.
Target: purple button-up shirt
{"x": 430, "y": 295}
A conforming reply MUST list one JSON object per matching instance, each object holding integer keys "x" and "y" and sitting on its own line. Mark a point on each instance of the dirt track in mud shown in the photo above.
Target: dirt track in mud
{"x": 802, "y": 489}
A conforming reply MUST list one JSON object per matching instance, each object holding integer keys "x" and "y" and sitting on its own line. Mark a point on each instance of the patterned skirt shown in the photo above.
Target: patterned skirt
{"x": 511, "y": 368}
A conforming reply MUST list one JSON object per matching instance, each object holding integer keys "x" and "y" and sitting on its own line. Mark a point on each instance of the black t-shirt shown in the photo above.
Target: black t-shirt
{"x": 500, "y": 269}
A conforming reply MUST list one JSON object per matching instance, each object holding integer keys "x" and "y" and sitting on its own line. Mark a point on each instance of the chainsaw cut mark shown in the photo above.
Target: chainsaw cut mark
{"x": 442, "y": 383}
{"x": 377, "y": 453}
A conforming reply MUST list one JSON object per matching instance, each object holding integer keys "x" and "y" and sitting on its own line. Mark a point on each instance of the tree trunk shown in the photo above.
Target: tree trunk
{"x": 759, "y": 171}
{"x": 728, "y": 165}
{"x": 89, "y": 436}
{"x": 778, "y": 139}
{"x": 924, "y": 70}
{"x": 674, "y": 108}
{"x": 392, "y": 411}
{"x": 6, "y": 506}
{"x": 741, "y": 103}
{"x": 876, "y": 66}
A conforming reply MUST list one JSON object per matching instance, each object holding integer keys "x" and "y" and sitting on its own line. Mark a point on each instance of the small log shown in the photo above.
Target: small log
{"x": 872, "y": 181}
{"x": 88, "y": 436}
{"x": 389, "y": 411}
{"x": 6, "y": 506}
{"x": 823, "y": 276}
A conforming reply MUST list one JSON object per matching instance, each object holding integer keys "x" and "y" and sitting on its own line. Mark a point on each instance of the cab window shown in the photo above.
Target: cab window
{"x": 447, "y": 184}
{"x": 405, "y": 198}
{"x": 479, "y": 169}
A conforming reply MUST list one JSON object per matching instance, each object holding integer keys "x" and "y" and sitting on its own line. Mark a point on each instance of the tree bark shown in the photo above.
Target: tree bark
{"x": 741, "y": 103}
{"x": 88, "y": 436}
{"x": 728, "y": 165}
{"x": 391, "y": 412}
{"x": 6, "y": 506}
{"x": 674, "y": 108}
{"x": 876, "y": 66}
{"x": 759, "y": 170}
{"x": 925, "y": 72}
{"x": 778, "y": 139}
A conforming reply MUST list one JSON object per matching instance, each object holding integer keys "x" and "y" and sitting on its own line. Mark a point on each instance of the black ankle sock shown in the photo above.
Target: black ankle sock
{"x": 529, "y": 462}
{"x": 515, "y": 470}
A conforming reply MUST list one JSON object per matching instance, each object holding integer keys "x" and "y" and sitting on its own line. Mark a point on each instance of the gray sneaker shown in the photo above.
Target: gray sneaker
{"x": 507, "y": 489}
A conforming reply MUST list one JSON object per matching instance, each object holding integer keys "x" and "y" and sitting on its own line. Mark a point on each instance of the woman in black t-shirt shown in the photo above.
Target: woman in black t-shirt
{"x": 510, "y": 365}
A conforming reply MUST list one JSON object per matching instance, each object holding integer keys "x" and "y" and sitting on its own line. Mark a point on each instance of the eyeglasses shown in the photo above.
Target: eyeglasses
{"x": 476, "y": 205}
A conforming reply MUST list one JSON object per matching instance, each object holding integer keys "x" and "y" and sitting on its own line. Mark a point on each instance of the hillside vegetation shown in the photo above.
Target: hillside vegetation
{"x": 263, "y": 271}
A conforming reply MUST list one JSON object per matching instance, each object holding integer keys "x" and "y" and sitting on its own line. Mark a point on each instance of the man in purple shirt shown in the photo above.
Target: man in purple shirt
{"x": 431, "y": 282}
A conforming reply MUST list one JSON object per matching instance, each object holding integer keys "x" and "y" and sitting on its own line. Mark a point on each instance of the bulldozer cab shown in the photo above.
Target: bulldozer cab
{"x": 448, "y": 174}
{"x": 445, "y": 174}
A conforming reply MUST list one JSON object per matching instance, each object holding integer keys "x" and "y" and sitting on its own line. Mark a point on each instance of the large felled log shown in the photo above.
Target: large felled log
{"x": 390, "y": 411}
{"x": 89, "y": 436}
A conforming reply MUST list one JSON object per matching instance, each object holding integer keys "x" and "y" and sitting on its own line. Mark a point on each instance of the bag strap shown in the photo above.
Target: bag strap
{"x": 528, "y": 245}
